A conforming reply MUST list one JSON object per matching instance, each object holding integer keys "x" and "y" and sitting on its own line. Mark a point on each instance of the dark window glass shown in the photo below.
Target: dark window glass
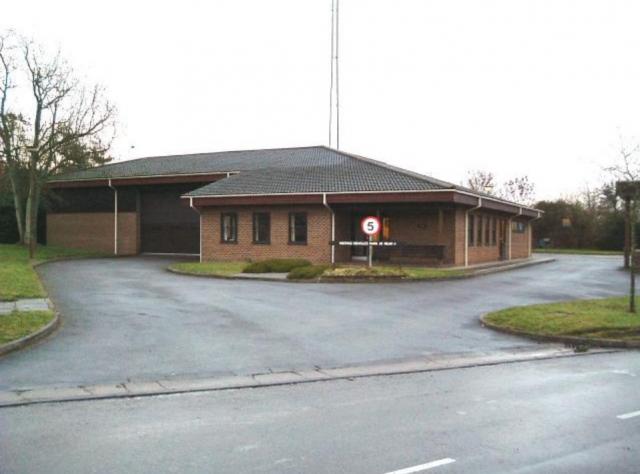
{"x": 487, "y": 231}
{"x": 518, "y": 227}
{"x": 261, "y": 228}
{"x": 494, "y": 231}
{"x": 472, "y": 232}
{"x": 229, "y": 227}
{"x": 298, "y": 228}
{"x": 480, "y": 221}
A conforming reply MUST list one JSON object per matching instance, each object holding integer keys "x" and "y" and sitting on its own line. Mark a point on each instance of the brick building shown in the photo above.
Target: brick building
{"x": 282, "y": 203}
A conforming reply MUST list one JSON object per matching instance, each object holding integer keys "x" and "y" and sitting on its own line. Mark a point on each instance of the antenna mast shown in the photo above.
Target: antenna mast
{"x": 334, "y": 84}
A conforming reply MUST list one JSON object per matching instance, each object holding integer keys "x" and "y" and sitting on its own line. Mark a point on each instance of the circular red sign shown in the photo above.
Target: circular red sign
{"x": 370, "y": 225}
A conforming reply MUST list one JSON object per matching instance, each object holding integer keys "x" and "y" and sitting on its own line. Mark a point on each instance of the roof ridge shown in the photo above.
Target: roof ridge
{"x": 397, "y": 169}
{"x": 107, "y": 165}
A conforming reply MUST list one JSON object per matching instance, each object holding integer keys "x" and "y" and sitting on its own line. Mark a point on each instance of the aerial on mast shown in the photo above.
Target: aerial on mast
{"x": 334, "y": 87}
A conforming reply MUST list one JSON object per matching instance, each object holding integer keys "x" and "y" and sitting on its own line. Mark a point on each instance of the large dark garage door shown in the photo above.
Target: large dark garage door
{"x": 168, "y": 224}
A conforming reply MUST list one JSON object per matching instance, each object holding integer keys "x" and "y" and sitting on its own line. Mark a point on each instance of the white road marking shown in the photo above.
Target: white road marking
{"x": 423, "y": 467}
{"x": 633, "y": 414}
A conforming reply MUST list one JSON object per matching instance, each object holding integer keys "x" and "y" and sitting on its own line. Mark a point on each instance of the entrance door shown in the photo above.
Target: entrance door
{"x": 358, "y": 252}
{"x": 168, "y": 225}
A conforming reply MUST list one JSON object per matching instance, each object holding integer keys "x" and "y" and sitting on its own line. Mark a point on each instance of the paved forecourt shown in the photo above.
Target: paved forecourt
{"x": 130, "y": 320}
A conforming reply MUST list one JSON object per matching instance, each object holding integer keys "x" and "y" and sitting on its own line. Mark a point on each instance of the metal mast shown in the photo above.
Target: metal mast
{"x": 334, "y": 88}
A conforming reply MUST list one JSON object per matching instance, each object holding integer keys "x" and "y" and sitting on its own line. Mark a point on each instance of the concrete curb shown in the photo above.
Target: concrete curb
{"x": 32, "y": 338}
{"x": 131, "y": 389}
{"x": 470, "y": 274}
{"x": 567, "y": 340}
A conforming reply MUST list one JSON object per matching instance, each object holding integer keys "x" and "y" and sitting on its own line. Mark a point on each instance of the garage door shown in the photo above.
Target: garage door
{"x": 168, "y": 225}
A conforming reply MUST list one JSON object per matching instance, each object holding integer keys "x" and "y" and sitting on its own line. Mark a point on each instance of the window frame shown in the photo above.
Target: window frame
{"x": 292, "y": 225}
{"x": 255, "y": 228}
{"x": 234, "y": 216}
{"x": 471, "y": 231}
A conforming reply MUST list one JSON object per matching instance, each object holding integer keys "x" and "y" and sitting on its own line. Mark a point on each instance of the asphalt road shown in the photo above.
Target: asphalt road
{"x": 572, "y": 415}
{"x": 129, "y": 319}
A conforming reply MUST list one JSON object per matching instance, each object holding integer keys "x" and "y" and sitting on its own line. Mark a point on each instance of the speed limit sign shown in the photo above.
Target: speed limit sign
{"x": 370, "y": 225}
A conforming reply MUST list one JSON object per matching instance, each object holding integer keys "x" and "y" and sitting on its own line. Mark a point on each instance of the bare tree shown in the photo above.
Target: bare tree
{"x": 63, "y": 112}
{"x": 11, "y": 132}
{"x": 627, "y": 165}
{"x": 627, "y": 168}
{"x": 519, "y": 189}
{"x": 483, "y": 181}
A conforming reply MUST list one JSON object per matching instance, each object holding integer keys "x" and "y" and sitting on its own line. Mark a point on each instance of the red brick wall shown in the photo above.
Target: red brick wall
{"x": 94, "y": 231}
{"x": 317, "y": 249}
{"x": 429, "y": 227}
{"x": 521, "y": 243}
{"x": 483, "y": 251}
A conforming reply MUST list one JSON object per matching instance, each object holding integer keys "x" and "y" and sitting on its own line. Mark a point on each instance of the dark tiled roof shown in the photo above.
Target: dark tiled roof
{"x": 318, "y": 170}
{"x": 285, "y": 170}
{"x": 315, "y": 169}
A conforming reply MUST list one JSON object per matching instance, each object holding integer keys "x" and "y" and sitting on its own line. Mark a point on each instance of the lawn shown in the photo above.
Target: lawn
{"x": 347, "y": 272}
{"x": 19, "y": 324}
{"x": 579, "y": 251}
{"x": 210, "y": 268}
{"x": 18, "y": 279}
{"x": 598, "y": 319}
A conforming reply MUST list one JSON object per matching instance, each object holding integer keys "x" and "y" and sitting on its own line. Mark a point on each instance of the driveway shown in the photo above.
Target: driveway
{"x": 129, "y": 319}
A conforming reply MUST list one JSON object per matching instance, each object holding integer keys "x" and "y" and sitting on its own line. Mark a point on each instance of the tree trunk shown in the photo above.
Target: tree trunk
{"x": 18, "y": 203}
{"x": 31, "y": 214}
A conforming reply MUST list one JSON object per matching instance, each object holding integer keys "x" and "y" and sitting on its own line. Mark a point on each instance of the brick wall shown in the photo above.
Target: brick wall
{"x": 317, "y": 249}
{"x": 484, "y": 251}
{"x": 94, "y": 231}
{"x": 431, "y": 227}
{"x": 521, "y": 242}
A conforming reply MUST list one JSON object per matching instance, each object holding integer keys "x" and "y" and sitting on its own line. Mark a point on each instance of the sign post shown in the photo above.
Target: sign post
{"x": 370, "y": 225}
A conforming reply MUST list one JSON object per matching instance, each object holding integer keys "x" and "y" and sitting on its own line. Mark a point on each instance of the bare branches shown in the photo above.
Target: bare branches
{"x": 483, "y": 181}
{"x": 627, "y": 166}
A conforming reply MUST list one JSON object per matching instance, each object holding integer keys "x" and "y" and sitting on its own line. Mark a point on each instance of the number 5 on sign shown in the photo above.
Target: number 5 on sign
{"x": 370, "y": 225}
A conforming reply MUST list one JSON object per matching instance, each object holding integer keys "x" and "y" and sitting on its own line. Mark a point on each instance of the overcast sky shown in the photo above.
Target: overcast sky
{"x": 536, "y": 87}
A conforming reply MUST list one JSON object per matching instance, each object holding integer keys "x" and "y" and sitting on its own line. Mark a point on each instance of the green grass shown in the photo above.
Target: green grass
{"x": 579, "y": 251}
{"x": 598, "y": 319}
{"x": 308, "y": 272}
{"x": 303, "y": 270}
{"x": 425, "y": 273}
{"x": 210, "y": 268}
{"x": 276, "y": 265}
{"x": 18, "y": 279}
{"x": 22, "y": 323}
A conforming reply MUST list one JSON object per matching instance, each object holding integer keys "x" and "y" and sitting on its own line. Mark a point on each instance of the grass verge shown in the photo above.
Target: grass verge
{"x": 223, "y": 269}
{"x": 18, "y": 279}
{"x": 303, "y": 270}
{"x": 579, "y": 251}
{"x": 22, "y": 323}
{"x": 594, "y": 319}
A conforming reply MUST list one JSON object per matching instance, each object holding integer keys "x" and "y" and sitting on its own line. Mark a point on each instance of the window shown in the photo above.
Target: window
{"x": 261, "y": 228}
{"x": 480, "y": 221}
{"x": 487, "y": 230}
{"x": 298, "y": 228}
{"x": 229, "y": 228}
{"x": 518, "y": 227}
{"x": 494, "y": 231}
{"x": 472, "y": 234}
